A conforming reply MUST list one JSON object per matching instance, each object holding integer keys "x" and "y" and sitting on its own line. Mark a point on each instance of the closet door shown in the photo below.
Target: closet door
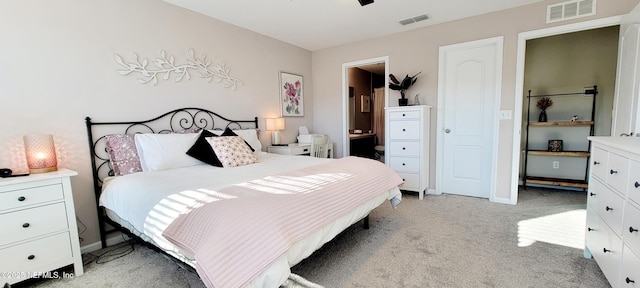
{"x": 627, "y": 84}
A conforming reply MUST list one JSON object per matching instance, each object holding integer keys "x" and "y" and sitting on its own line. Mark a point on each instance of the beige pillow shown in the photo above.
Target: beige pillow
{"x": 232, "y": 151}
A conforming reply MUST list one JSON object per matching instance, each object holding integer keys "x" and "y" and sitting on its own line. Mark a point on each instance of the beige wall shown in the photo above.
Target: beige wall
{"x": 417, "y": 50}
{"x": 57, "y": 67}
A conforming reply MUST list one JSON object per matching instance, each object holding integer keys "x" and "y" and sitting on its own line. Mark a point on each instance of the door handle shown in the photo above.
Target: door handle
{"x": 447, "y": 130}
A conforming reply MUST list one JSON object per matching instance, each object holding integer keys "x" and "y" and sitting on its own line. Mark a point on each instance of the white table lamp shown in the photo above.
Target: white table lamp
{"x": 275, "y": 125}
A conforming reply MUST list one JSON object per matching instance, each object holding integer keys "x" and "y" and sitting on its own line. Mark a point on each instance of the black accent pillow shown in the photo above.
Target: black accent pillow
{"x": 202, "y": 151}
{"x": 229, "y": 132}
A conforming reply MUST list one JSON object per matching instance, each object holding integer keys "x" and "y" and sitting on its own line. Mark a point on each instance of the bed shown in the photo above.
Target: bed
{"x": 240, "y": 220}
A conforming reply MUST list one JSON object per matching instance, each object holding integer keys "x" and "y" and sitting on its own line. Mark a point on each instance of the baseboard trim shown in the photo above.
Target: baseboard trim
{"x": 98, "y": 245}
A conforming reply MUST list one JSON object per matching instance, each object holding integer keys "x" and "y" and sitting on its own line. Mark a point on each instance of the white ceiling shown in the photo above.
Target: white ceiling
{"x": 319, "y": 24}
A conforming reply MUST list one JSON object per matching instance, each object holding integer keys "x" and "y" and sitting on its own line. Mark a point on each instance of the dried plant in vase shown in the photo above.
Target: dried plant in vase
{"x": 402, "y": 86}
{"x": 543, "y": 104}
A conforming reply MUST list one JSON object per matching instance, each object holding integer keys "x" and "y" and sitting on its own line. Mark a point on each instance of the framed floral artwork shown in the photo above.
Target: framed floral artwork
{"x": 291, "y": 94}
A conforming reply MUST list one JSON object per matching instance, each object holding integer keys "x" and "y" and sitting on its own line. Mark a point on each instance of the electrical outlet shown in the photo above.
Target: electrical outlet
{"x": 556, "y": 164}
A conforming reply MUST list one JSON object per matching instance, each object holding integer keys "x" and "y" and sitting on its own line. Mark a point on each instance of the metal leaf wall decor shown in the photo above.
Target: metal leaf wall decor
{"x": 164, "y": 67}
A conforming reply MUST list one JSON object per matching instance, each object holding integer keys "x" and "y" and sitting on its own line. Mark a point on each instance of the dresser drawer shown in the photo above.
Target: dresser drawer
{"x": 37, "y": 256}
{"x": 404, "y": 164}
{"x": 633, "y": 188}
{"x": 28, "y": 223}
{"x": 607, "y": 204}
{"x": 402, "y": 148}
{"x": 631, "y": 227}
{"x": 618, "y": 173}
{"x": 605, "y": 246}
{"x": 399, "y": 115}
{"x": 411, "y": 181}
{"x": 599, "y": 160}
{"x": 630, "y": 275}
{"x": 16, "y": 196}
{"x": 404, "y": 130}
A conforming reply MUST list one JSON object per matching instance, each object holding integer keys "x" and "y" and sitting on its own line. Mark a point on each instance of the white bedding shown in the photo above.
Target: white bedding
{"x": 148, "y": 202}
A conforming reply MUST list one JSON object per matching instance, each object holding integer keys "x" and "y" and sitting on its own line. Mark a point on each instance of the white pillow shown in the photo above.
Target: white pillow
{"x": 165, "y": 151}
{"x": 251, "y": 136}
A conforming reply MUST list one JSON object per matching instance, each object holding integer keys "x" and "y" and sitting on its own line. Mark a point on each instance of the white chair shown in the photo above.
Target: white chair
{"x": 320, "y": 146}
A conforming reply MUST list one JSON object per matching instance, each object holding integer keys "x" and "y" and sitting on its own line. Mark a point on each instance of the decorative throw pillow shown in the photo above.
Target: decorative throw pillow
{"x": 202, "y": 151}
{"x": 123, "y": 154}
{"x": 232, "y": 151}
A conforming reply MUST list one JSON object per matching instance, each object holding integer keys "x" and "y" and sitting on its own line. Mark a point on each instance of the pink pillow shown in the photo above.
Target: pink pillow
{"x": 232, "y": 151}
{"x": 123, "y": 154}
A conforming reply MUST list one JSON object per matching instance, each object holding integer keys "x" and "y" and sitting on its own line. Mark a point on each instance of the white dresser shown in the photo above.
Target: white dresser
{"x": 38, "y": 224}
{"x": 613, "y": 209}
{"x": 407, "y": 145}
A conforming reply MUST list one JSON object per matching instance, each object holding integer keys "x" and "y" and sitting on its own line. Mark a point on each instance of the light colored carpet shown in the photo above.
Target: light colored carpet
{"x": 442, "y": 241}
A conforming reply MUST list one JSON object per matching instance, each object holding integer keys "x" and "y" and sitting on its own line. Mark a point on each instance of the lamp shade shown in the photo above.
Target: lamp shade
{"x": 41, "y": 153}
{"x": 275, "y": 124}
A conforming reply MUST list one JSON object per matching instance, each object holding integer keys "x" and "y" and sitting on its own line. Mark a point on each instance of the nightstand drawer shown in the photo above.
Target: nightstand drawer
{"x": 633, "y": 190}
{"x": 15, "y": 196}
{"x": 617, "y": 173}
{"x": 404, "y": 130}
{"x": 28, "y": 223}
{"x": 398, "y": 115}
{"x": 411, "y": 181}
{"x": 607, "y": 204}
{"x": 36, "y": 256}
{"x": 404, "y": 164}
{"x": 631, "y": 227}
{"x": 401, "y": 148}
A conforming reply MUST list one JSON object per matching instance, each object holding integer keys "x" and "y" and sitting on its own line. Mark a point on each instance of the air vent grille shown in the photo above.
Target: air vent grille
{"x": 413, "y": 19}
{"x": 570, "y": 10}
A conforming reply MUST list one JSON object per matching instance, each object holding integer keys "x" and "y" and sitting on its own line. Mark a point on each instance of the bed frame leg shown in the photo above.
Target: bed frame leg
{"x": 365, "y": 225}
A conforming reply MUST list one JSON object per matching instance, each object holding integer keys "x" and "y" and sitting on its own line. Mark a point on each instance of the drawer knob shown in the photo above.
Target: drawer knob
{"x": 613, "y": 172}
{"x": 631, "y": 229}
{"x": 403, "y": 130}
{"x": 403, "y": 148}
{"x": 25, "y": 225}
{"x": 596, "y": 163}
{"x": 590, "y": 229}
{"x": 403, "y": 164}
{"x": 592, "y": 194}
{"x": 636, "y": 184}
{"x": 403, "y": 114}
{"x": 629, "y": 280}
{"x": 608, "y": 208}
{"x": 31, "y": 257}
{"x": 21, "y": 198}
{"x": 605, "y": 250}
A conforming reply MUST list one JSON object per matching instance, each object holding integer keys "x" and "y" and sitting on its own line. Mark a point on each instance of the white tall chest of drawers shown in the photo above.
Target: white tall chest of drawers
{"x": 407, "y": 145}
{"x": 613, "y": 209}
{"x": 38, "y": 224}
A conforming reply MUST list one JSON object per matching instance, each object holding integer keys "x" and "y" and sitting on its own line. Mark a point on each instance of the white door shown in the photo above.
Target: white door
{"x": 470, "y": 77}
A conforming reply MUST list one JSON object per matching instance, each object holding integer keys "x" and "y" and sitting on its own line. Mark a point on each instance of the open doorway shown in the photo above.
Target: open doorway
{"x": 364, "y": 98}
{"x": 575, "y": 72}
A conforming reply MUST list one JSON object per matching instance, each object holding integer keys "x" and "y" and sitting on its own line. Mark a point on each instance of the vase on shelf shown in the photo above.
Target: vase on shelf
{"x": 543, "y": 116}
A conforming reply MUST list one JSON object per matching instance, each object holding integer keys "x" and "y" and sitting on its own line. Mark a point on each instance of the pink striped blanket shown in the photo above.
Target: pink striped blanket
{"x": 238, "y": 233}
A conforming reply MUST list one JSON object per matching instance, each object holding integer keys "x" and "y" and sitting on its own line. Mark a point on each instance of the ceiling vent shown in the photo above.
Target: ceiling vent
{"x": 570, "y": 10}
{"x": 413, "y": 19}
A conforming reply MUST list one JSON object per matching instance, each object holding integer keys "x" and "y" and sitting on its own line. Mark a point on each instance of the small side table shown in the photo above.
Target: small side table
{"x": 291, "y": 149}
{"x": 295, "y": 149}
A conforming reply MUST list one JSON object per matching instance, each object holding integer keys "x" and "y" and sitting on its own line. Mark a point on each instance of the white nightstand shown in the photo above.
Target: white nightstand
{"x": 38, "y": 223}
{"x": 291, "y": 149}
{"x": 295, "y": 149}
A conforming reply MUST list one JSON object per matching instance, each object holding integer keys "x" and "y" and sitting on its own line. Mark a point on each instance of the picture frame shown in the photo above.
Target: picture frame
{"x": 365, "y": 104}
{"x": 291, "y": 94}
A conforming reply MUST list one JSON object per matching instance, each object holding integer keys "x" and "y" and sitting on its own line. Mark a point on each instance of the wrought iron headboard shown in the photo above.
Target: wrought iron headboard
{"x": 180, "y": 119}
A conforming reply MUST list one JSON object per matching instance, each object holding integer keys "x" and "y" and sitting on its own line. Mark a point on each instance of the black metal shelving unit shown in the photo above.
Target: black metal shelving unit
{"x": 529, "y": 179}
